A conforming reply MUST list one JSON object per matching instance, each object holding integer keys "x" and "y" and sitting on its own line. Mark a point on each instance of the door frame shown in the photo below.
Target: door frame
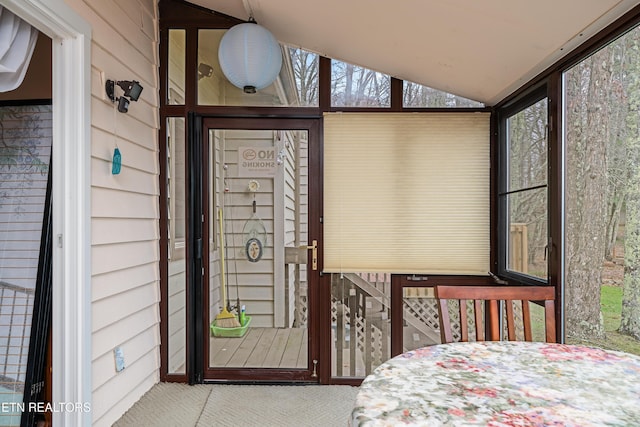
{"x": 71, "y": 210}
{"x": 197, "y": 251}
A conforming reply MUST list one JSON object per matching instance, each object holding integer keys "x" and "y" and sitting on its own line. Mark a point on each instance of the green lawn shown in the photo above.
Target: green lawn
{"x": 611, "y": 303}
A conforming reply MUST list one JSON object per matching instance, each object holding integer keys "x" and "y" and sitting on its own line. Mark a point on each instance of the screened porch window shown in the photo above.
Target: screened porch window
{"x": 354, "y": 86}
{"x": 523, "y": 195}
{"x": 176, "y": 68}
{"x": 415, "y": 95}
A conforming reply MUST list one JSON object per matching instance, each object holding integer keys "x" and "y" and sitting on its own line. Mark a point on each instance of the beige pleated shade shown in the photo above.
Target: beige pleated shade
{"x": 406, "y": 193}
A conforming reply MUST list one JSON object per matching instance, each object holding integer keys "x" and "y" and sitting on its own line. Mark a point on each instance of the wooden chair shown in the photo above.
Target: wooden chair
{"x": 488, "y": 297}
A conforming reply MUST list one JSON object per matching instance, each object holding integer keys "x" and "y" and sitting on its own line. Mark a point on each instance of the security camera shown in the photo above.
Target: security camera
{"x": 132, "y": 90}
{"x": 123, "y": 104}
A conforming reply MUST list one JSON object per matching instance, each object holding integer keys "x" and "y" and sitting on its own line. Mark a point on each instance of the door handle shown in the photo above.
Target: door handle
{"x": 314, "y": 253}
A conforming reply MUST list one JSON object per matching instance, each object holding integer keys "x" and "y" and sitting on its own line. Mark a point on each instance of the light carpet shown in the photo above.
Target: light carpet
{"x": 171, "y": 404}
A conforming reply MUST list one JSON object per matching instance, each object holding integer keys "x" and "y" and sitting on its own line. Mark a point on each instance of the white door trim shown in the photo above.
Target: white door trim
{"x": 71, "y": 178}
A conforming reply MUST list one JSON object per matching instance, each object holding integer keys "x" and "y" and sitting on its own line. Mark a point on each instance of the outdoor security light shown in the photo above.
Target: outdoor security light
{"x": 132, "y": 89}
{"x": 204, "y": 70}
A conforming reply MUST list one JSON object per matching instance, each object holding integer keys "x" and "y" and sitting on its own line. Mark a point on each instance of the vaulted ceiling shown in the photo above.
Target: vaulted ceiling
{"x": 481, "y": 50}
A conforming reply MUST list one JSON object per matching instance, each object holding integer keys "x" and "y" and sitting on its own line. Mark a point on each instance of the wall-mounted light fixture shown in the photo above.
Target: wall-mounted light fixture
{"x": 204, "y": 70}
{"x": 132, "y": 90}
{"x": 250, "y": 57}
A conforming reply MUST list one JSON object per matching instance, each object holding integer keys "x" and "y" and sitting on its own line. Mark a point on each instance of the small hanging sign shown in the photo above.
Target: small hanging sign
{"x": 257, "y": 162}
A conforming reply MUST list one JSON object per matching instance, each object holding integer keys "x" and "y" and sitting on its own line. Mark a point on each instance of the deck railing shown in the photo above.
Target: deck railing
{"x": 361, "y": 313}
{"x": 16, "y": 306}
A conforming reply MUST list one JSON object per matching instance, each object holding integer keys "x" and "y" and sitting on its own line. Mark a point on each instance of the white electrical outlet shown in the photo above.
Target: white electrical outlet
{"x": 119, "y": 356}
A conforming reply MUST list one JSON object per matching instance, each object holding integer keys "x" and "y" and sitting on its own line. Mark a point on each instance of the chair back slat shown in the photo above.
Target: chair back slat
{"x": 492, "y": 320}
{"x": 446, "y": 335}
{"x": 489, "y": 298}
{"x": 477, "y": 308}
{"x": 464, "y": 329}
{"x": 511, "y": 322}
{"x": 550, "y": 321}
{"x": 526, "y": 320}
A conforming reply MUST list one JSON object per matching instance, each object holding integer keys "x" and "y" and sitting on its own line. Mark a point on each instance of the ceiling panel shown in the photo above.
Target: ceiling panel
{"x": 482, "y": 50}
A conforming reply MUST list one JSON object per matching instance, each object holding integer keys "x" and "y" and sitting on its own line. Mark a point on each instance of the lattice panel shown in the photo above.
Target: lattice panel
{"x": 377, "y": 337}
{"x": 359, "y": 333}
{"x": 519, "y": 321}
{"x": 455, "y": 320}
{"x": 302, "y": 309}
{"x": 372, "y": 347}
{"x": 425, "y": 309}
{"x": 454, "y": 315}
{"x": 368, "y": 338}
{"x": 334, "y": 311}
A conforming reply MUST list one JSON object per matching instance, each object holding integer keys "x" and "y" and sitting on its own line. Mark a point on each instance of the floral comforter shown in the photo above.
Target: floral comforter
{"x": 502, "y": 384}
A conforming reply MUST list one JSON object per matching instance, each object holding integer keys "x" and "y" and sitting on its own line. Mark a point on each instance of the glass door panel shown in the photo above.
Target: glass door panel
{"x": 257, "y": 301}
{"x": 25, "y": 155}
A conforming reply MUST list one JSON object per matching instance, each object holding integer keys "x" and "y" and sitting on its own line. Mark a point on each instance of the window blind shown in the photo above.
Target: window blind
{"x": 406, "y": 193}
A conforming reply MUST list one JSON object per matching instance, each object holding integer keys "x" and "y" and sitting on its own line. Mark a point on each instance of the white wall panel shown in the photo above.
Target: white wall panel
{"x": 125, "y": 212}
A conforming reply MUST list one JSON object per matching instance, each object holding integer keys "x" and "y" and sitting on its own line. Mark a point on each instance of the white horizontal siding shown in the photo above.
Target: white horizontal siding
{"x": 119, "y": 281}
{"x": 125, "y": 211}
{"x": 106, "y": 339}
{"x": 129, "y": 205}
{"x": 121, "y": 256}
{"x": 177, "y": 317}
{"x": 105, "y": 231}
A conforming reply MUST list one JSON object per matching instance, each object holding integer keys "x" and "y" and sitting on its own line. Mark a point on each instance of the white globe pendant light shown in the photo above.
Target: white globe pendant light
{"x": 250, "y": 56}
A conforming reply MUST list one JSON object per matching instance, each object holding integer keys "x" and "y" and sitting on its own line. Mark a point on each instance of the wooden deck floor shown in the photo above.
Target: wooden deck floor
{"x": 261, "y": 348}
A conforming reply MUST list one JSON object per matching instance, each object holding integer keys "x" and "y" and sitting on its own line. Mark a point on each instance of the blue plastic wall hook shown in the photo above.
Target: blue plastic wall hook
{"x": 116, "y": 165}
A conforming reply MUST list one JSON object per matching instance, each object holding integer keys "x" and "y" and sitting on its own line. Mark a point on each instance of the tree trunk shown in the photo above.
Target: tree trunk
{"x": 617, "y": 163}
{"x": 630, "y": 316}
{"x": 586, "y": 198}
